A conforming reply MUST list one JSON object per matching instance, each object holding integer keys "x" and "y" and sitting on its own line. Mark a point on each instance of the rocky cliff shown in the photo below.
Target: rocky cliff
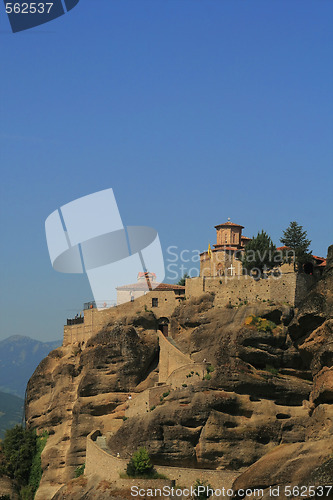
{"x": 73, "y": 391}
{"x": 264, "y": 408}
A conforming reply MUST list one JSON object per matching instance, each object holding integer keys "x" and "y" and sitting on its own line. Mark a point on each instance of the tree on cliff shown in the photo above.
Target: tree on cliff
{"x": 182, "y": 280}
{"x": 260, "y": 254}
{"x": 295, "y": 237}
{"x": 19, "y": 448}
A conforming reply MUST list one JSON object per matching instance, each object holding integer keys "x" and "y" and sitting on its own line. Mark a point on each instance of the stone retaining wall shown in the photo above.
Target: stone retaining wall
{"x": 184, "y": 375}
{"x": 144, "y": 401}
{"x": 95, "y": 320}
{"x": 171, "y": 358}
{"x": 109, "y": 468}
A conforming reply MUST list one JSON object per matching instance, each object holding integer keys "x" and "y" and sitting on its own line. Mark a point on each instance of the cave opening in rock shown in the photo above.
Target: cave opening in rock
{"x": 163, "y": 326}
{"x": 308, "y": 268}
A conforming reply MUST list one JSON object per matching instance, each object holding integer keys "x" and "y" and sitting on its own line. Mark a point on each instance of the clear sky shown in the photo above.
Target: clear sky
{"x": 193, "y": 111}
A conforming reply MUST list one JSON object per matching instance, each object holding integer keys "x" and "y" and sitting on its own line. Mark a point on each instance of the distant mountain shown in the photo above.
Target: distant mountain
{"x": 19, "y": 357}
{"x": 11, "y": 412}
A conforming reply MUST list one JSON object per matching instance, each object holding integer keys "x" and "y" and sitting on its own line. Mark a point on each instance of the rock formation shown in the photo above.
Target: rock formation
{"x": 265, "y": 402}
{"x": 73, "y": 391}
{"x": 309, "y": 461}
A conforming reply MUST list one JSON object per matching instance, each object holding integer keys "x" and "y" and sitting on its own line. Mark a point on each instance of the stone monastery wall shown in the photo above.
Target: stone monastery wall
{"x": 289, "y": 288}
{"x": 95, "y": 319}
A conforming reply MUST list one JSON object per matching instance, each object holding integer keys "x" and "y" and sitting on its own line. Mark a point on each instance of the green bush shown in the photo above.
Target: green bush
{"x": 36, "y": 467}
{"x": 152, "y": 408}
{"x": 19, "y": 448}
{"x": 22, "y": 450}
{"x": 27, "y": 493}
{"x": 202, "y": 495}
{"x": 210, "y": 369}
{"x": 79, "y": 471}
{"x": 207, "y": 376}
{"x": 184, "y": 385}
{"x": 140, "y": 465}
{"x": 166, "y": 394}
{"x": 266, "y": 326}
{"x": 272, "y": 370}
{"x": 261, "y": 324}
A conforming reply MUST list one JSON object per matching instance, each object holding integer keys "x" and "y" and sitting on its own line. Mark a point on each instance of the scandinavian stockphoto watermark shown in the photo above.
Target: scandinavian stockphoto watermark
{"x": 87, "y": 235}
{"x": 24, "y": 15}
{"x": 180, "y": 262}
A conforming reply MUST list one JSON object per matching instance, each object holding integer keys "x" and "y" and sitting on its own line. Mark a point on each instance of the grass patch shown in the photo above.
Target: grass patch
{"x": 260, "y": 324}
{"x": 79, "y": 471}
{"x": 272, "y": 370}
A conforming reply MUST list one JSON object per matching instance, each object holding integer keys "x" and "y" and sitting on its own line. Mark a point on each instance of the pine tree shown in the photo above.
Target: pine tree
{"x": 260, "y": 254}
{"x": 182, "y": 280}
{"x": 295, "y": 237}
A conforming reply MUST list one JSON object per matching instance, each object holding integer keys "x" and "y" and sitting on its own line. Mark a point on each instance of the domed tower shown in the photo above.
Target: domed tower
{"x": 228, "y": 235}
{"x": 223, "y": 259}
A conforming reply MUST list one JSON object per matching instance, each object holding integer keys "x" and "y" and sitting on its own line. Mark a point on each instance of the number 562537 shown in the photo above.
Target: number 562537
{"x": 29, "y": 8}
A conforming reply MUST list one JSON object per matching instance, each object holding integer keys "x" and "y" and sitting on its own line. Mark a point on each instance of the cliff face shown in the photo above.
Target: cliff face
{"x": 308, "y": 462}
{"x": 266, "y": 401}
{"x": 74, "y": 391}
{"x": 255, "y": 399}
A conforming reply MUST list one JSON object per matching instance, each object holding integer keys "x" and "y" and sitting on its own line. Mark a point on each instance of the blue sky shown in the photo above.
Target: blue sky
{"x": 193, "y": 111}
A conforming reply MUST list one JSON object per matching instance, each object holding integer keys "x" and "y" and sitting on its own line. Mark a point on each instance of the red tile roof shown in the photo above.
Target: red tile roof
{"x": 144, "y": 287}
{"x": 283, "y": 248}
{"x": 228, "y": 224}
{"x": 245, "y": 238}
{"x": 319, "y": 258}
{"x": 169, "y": 286}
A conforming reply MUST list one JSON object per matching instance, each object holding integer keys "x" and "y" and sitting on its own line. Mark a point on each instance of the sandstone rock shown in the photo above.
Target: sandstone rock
{"x": 268, "y": 394}
{"x": 74, "y": 390}
{"x": 7, "y": 487}
{"x": 301, "y": 464}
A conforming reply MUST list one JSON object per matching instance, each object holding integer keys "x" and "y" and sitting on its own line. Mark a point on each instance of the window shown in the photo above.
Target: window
{"x": 154, "y": 302}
